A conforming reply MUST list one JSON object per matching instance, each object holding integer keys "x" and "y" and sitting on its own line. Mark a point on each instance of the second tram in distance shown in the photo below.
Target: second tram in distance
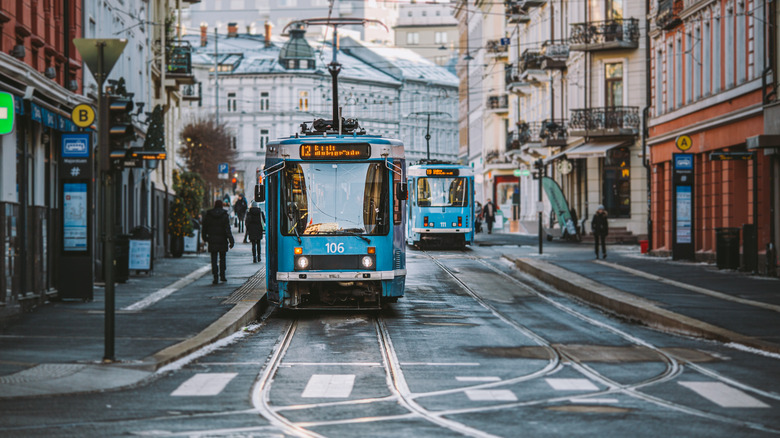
{"x": 335, "y": 214}
{"x": 441, "y": 203}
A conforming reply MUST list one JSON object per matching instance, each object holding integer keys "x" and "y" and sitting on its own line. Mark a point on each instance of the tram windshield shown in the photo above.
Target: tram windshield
{"x": 442, "y": 192}
{"x": 335, "y": 198}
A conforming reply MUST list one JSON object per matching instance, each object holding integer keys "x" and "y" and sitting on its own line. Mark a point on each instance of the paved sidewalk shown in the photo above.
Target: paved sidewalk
{"x": 160, "y": 318}
{"x": 684, "y": 297}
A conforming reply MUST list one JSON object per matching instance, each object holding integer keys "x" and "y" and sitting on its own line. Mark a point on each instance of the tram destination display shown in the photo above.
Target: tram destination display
{"x": 442, "y": 172}
{"x": 346, "y": 151}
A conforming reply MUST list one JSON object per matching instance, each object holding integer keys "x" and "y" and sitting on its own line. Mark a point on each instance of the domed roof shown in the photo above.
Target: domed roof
{"x": 296, "y": 47}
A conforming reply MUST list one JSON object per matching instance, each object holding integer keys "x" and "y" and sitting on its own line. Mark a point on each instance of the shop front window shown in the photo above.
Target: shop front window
{"x": 617, "y": 183}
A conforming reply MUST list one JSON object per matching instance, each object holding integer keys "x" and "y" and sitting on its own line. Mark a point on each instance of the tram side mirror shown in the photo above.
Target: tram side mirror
{"x": 403, "y": 192}
{"x": 259, "y": 193}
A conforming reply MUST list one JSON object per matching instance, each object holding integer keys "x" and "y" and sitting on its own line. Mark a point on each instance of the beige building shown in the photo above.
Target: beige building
{"x": 430, "y": 29}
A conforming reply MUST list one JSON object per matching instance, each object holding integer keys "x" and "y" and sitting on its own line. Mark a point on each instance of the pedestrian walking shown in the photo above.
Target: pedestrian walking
{"x": 240, "y": 208}
{"x": 254, "y": 229}
{"x": 489, "y": 214}
{"x": 478, "y": 217}
{"x": 216, "y": 232}
{"x": 600, "y": 227}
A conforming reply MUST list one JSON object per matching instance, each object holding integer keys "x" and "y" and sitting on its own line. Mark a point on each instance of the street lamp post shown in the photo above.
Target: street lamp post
{"x": 428, "y": 128}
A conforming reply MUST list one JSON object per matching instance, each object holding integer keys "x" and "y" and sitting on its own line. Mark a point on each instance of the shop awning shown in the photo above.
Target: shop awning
{"x": 594, "y": 149}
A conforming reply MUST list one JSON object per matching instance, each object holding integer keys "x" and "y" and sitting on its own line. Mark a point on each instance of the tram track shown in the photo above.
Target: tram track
{"x": 673, "y": 366}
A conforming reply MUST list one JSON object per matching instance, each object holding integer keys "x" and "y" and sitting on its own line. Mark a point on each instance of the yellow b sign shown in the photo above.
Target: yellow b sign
{"x": 83, "y": 115}
{"x": 683, "y": 142}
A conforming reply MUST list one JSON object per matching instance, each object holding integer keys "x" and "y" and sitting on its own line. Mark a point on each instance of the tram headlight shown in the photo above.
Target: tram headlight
{"x": 367, "y": 262}
{"x": 302, "y": 263}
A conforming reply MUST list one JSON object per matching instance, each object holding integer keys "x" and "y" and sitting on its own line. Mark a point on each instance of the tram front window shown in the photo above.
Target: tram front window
{"x": 335, "y": 198}
{"x": 441, "y": 192}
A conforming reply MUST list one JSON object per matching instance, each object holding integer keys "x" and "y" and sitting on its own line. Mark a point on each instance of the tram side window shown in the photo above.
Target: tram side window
{"x": 397, "y": 215}
{"x": 375, "y": 200}
{"x": 296, "y": 199}
{"x": 458, "y": 192}
{"x": 423, "y": 193}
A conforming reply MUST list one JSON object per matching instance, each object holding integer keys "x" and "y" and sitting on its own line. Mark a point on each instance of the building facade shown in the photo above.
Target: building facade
{"x": 429, "y": 29}
{"x": 711, "y": 79}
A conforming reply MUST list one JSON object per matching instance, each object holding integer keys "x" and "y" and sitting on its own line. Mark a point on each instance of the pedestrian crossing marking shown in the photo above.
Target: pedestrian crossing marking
{"x": 724, "y": 395}
{"x": 491, "y": 395}
{"x": 478, "y": 379}
{"x": 204, "y": 384}
{"x": 572, "y": 384}
{"x": 329, "y": 386}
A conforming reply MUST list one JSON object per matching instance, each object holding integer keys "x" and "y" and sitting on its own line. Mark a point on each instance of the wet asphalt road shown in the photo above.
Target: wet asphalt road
{"x": 474, "y": 349}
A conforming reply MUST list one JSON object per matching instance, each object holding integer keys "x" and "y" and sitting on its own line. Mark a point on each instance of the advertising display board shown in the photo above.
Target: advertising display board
{"x": 683, "y": 207}
{"x": 74, "y": 217}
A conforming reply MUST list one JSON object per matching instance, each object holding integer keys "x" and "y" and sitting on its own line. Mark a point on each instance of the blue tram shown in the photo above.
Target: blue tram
{"x": 441, "y": 203}
{"x": 335, "y": 219}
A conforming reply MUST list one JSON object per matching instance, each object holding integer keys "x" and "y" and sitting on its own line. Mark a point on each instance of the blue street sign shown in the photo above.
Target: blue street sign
{"x": 75, "y": 145}
{"x": 223, "y": 168}
{"x": 504, "y": 41}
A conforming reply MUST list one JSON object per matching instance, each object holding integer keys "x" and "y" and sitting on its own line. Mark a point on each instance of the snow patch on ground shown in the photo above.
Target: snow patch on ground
{"x": 179, "y": 364}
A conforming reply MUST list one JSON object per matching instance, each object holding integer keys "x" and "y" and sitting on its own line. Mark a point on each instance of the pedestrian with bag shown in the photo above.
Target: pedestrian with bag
{"x": 489, "y": 214}
{"x": 254, "y": 229}
{"x": 216, "y": 232}
{"x": 600, "y": 227}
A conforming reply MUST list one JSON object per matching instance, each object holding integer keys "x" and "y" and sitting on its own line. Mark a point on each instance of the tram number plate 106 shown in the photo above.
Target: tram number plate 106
{"x": 334, "y": 248}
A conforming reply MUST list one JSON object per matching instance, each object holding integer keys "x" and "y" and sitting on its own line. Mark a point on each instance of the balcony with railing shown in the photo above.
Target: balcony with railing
{"x": 498, "y": 103}
{"x": 604, "y": 35}
{"x": 534, "y": 3}
{"x": 554, "y": 132}
{"x": 531, "y": 59}
{"x": 527, "y": 133}
{"x": 668, "y": 15}
{"x": 613, "y": 121}
{"x": 179, "y": 66}
{"x": 495, "y": 49}
{"x": 554, "y": 55}
{"x": 516, "y": 12}
{"x": 190, "y": 92}
{"x": 516, "y": 81}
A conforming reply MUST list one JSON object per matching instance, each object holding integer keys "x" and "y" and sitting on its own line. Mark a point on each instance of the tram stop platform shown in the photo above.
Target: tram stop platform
{"x": 160, "y": 318}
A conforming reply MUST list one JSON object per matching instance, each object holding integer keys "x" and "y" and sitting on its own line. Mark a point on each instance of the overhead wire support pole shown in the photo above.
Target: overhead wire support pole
{"x": 428, "y": 128}
{"x": 216, "y": 76}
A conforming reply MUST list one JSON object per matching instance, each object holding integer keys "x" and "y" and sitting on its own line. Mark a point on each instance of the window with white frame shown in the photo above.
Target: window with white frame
{"x": 706, "y": 59}
{"x": 659, "y": 83}
{"x": 263, "y": 139}
{"x": 440, "y": 37}
{"x": 231, "y": 102}
{"x": 678, "y": 73}
{"x": 729, "y": 57}
{"x": 234, "y": 143}
{"x": 265, "y": 101}
{"x": 412, "y": 38}
{"x": 688, "y": 67}
{"x": 303, "y": 100}
{"x": 716, "y": 58}
{"x": 696, "y": 63}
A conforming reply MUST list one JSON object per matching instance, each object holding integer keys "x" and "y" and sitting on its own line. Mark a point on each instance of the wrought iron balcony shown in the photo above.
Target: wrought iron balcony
{"x": 605, "y": 35}
{"x": 190, "y": 92}
{"x": 516, "y": 81}
{"x": 498, "y": 102}
{"x": 554, "y": 55}
{"x": 516, "y": 11}
{"x": 533, "y": 3}
{"x": 180, "y": 62}
{"x": 668, "y": 16}
{"x": 554, "y": 132}
{"x": 495, "y": 48}
{"x": 531, "y": 59}
{"x": 607, "y": 121}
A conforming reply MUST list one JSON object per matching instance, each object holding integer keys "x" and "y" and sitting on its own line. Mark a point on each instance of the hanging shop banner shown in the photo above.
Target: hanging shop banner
{"x": 559, "y": 204}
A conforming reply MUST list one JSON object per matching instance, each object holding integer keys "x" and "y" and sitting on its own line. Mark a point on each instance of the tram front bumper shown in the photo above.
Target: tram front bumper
{"x": 340, "y": 276}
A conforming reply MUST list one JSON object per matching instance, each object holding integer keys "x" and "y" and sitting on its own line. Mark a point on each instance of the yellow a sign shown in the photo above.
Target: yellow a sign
{"x": 683, "y": 142}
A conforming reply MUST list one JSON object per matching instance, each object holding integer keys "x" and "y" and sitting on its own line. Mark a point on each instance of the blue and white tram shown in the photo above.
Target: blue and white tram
{"x": 335, "y": 219}
{"x": 441, "y": 203}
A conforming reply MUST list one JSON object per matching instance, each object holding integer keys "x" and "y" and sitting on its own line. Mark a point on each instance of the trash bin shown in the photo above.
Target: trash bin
{"x": 749, "y": 248}
{"x": 643, "y": 246}
{"x": 727, "y": 247}
{"x": 121, "y": 257}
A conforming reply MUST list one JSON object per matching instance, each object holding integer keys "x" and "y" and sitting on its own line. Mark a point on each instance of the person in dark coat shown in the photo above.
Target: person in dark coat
{"x": 600, "y": 227}
{"x": 240, "y": 209}
{"x": 254, "y": 229}
{"x": 216, "y": 232}
{"x": 489, "y": 214}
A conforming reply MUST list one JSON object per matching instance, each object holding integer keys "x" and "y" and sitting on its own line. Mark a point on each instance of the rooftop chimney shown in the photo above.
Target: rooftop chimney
{"x": 268, "y": 27}
{"x": 232, "y": 30}
{"x": 204, "y": 41}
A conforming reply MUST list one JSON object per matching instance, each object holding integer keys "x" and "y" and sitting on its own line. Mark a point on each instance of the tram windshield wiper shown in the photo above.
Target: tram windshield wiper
{"x": 348, "y": 232}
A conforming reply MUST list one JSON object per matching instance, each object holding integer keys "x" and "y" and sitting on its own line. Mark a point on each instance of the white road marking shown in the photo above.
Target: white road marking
{"x": 329, "y": 386}
{"x": 204, "y": 384}
{"x": 572, "y": 384}
{"x": 724, "y": 395}
{"x": 442, "y": 364}
{"x": 164, "y": 292}
{"x": 594, "y": 400}
{"x": 478, "y": 379}
{"x": 491, "y": 395}
{"x": 331, "y": 364}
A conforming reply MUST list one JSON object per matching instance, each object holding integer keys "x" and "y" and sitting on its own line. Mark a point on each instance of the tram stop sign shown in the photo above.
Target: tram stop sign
{"x": 6, "y": 113}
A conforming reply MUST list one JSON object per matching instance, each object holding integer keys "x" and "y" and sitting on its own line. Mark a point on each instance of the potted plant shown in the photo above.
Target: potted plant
{"x": 179, "y": 225}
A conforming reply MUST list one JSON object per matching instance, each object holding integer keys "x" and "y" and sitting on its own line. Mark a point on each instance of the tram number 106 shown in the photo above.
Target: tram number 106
{"x": 334, "y": 247}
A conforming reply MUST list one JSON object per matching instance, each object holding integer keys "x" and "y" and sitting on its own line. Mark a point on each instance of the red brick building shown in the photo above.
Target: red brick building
{"x": 708, "y": 74}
